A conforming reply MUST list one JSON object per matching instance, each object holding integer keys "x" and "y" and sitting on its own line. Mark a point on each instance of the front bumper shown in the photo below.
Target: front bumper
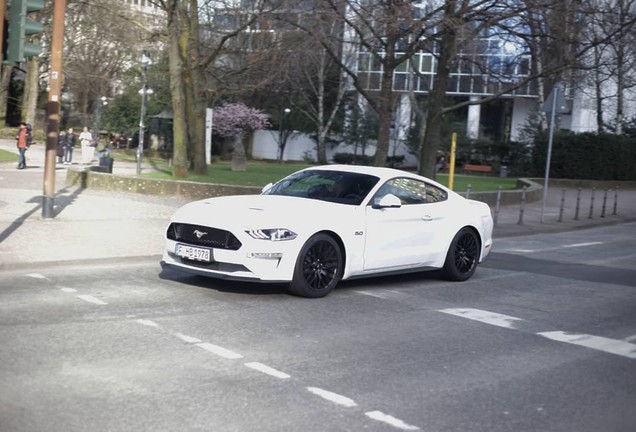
{"x": 256, "y": 260}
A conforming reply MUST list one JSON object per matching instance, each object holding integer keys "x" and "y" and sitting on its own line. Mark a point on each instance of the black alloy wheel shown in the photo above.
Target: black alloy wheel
{"x": 462, "y": 256}
{"x": 318, "y": 268}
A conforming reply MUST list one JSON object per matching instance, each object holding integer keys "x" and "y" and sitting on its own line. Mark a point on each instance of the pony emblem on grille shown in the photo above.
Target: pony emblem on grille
{"x": 199, "y": 234}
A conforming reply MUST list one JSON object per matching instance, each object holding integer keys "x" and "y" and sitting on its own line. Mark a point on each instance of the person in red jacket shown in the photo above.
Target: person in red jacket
{"x": 22, "y": 143}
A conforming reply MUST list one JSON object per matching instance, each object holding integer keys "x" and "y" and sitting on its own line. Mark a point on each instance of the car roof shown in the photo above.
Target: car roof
{"x": 381, "y": 172}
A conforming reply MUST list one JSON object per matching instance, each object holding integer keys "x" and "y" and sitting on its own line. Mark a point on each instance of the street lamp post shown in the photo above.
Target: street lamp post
{"x": 145, "y": 62}
{"x": 101, "y": 102}
{"x": 281, "y": 129}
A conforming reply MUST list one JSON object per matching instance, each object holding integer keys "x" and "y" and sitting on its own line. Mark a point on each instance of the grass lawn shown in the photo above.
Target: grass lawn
{"x": 261, "y": 173}
{"x": 6, "y": 156}
{"x": 478, "y": 183}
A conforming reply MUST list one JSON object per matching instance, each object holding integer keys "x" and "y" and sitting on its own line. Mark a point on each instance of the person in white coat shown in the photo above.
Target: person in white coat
{"x": 88, "y": 146}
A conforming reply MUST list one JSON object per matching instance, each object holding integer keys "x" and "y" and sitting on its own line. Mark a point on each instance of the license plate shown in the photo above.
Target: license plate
{"x": 194, "y": 253}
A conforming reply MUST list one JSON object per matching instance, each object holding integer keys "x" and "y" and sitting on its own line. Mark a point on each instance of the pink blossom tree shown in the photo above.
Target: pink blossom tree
{"x": 235, "y": 120}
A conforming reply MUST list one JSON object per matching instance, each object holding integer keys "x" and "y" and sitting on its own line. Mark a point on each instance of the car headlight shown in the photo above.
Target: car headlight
{"x": 272, "y": 234}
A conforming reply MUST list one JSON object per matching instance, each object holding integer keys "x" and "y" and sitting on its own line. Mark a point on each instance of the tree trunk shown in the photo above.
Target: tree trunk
{"x": 180, "y": 152}
{"x": 4, "y": 91}
{"x": 620, "y": 70}
{"x": 238, "y": 155}
{"x": 31, "y": 91}
{"x": 199, "y": 94}
{"x": 598, "y": 87}
{"x": 385, "y": 98}
{"x": 434, "y": 118}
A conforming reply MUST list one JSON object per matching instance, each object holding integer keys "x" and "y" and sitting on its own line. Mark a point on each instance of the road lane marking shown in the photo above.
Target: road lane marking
{"x": 575, "y": 245}
{"x": 390, "y": 420}
{"x": 148, "y": 323}
{"x": 486, "y": 317}
{"x": 36, "y": 276}
{"x": 631, "y": 338}
{"x": 333, "y": 397}
{"x": 599, "y": 343}
{"x": 612, "y": 346}
{"x": 555, "y": 248}
{"x": 220, "y": 351}
{"x": 367, "y": 293}
{"x": 188, "y": 339}
{"x": 267, "y": 370}
{"x": 69, "y": 290}
{"x": 90, "y": 299}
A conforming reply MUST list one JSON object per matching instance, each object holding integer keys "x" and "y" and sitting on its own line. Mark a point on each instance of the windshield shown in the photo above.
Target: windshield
{"x": 334, "y": 186}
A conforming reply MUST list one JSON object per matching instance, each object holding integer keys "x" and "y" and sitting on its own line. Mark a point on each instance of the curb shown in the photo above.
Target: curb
{"x": 80, "y": 262}
{"x": 86, "y": 178}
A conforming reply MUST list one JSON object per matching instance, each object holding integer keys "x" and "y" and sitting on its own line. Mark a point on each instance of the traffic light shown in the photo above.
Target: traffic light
{"x": 20, "y": 27}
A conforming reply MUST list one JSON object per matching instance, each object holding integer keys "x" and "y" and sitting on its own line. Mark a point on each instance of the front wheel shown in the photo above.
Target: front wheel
{"x": 462, "y": 256}
{"x": 318, "y": 267}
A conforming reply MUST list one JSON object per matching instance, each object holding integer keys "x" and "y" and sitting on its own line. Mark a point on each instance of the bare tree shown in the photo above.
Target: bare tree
{"x": 97, "y": 51}
{"x": 313, "y": 77}
{"x": 610, "y": 66}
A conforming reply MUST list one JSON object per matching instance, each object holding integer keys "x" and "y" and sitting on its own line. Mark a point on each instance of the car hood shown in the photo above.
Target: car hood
{"x": 259, "y": 211}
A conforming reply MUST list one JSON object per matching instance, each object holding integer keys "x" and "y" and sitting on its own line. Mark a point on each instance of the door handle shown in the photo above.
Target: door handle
{"x": 427, "y": 218}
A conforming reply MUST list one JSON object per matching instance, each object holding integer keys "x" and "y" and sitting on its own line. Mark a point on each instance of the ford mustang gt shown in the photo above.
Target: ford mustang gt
{"x": 329, "y": 223}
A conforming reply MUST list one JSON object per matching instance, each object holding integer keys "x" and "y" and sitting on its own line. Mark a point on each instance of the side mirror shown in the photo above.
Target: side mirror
{"x": 387, "y": 201}
{"x": 266, "y": 187}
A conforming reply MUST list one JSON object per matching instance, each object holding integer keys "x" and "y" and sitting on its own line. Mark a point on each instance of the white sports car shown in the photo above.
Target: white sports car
{"x": 324, "y": 224}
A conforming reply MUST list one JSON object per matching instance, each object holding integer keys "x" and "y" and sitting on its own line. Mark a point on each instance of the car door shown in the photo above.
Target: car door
{"x": 408, "y": 235}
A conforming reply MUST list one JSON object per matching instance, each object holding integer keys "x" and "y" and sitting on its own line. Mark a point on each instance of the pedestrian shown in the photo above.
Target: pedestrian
{"x": 87, "y": 143}
{"x": 103, "y": 148}
{"x": 440, "y": 165}
{"x": 22, "y": 144}
{"x": 69, "y": 143}
{"x": 61, "y": 140}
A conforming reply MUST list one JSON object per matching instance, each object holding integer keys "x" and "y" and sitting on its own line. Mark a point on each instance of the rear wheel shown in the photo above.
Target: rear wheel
{"x": 318, "y": 268}
{"x": 462, "y": 256}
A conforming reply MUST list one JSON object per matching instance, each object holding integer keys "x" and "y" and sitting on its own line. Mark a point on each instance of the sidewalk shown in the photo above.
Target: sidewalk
{"x": 101, "y": 226}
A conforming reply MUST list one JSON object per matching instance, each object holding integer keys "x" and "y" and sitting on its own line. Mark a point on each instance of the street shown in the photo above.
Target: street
{"x": 543, "y": 338}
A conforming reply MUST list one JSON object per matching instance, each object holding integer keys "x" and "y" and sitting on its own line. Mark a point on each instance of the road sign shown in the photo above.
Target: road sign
{"x": 556, "y": 101}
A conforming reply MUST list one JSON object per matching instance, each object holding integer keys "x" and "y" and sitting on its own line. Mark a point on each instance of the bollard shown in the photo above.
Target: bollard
{"x": 468, "y": 188}
{"x": 522, "y": 207}
{"x": 615, "y": 201}
{"x": 562, "y": 205}
{"x": 592, "y": 204}
{"x": 497, "y": 204}
{"x": 604, "y": 204}
{"x": 578, "y": 203}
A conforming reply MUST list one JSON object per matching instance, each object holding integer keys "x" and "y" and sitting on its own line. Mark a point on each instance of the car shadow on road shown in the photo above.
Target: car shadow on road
{"x": 223, "y": 285}
{"x": 261, "y": 288}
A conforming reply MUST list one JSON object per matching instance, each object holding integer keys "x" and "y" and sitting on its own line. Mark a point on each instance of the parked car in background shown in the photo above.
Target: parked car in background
{"x": 329, "y": 223}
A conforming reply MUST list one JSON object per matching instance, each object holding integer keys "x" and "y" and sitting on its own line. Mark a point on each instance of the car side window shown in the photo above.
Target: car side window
{"x": 411, "y": 191}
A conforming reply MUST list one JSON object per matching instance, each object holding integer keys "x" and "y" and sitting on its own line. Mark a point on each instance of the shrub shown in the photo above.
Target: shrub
{"x": 351, "y": 159}
{"x": 586, "y": 156}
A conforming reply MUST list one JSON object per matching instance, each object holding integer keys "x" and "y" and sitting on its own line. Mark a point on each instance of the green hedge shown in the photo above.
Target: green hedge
{"x": 586, "y": 156}
{"x": 351, "y": 159}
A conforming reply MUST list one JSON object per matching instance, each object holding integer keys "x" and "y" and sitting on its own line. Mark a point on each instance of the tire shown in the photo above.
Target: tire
{"x": 462, "y": 256}
{"x": 318, "y": 268}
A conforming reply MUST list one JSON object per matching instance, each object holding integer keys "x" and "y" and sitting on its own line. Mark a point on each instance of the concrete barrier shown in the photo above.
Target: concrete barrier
{"x": 192, "y": 190}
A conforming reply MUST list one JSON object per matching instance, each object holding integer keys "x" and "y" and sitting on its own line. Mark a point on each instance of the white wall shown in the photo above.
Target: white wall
{"x": 521, "y": 108}
{"x": 301, "y": 147}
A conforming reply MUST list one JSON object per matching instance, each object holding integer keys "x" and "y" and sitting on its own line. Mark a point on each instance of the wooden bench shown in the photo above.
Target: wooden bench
{"x": 477, "y": 168}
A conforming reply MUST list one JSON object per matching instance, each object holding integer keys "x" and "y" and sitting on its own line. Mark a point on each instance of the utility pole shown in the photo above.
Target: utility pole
{"x": 53, "y": 107}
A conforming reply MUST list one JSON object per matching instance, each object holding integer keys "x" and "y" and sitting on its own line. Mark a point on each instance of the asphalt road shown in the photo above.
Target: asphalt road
{"x": 543, "y": 338}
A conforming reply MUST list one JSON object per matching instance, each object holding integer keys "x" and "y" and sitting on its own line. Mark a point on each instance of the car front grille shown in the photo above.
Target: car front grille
{"x": 199, "y": 235}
